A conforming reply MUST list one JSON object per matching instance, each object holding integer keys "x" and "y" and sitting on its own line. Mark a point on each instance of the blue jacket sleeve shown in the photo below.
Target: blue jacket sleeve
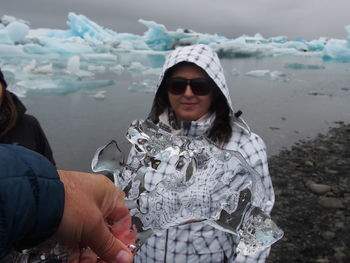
{"x": 31, "y": 198}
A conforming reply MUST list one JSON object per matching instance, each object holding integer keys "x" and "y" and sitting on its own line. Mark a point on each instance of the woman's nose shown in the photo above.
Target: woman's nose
{"x": 188, "y": 91}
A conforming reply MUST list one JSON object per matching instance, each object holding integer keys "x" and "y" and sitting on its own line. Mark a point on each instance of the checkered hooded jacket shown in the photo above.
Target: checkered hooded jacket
{"x": 199, "y": 242}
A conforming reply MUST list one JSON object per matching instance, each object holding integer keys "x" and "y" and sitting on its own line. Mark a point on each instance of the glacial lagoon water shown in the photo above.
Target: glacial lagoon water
{"x": 305, "y": 97}
{"x": 87, "y": 83}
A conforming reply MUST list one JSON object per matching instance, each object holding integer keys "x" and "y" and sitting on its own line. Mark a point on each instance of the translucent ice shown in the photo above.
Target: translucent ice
{"x": 13, "y": 33}
{"x": 174, "y": 180}
{"x": 258, "y": 73}
{"x": 278, "y": 75}
{"x": 17, "y": 31}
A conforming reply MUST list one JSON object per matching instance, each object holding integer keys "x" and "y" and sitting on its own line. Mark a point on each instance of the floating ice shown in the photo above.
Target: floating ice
{"x": 174, "y": 180}
{"x": 235, "y": 72}
{"x": 144, "y": 86}
{"x": 99, "y": 95}
{"x": 278, "y": 75}
{"x": 114, "y": 51}
{"x": 274, "y": 75}
{"x": 17, "y": 31}
{"x": 45, "y": 69}
{"x": 13, "y": 33}
{"x": 258, "y": 73}
{"x": 73, "y": 67}
{"x": 303, "y": 66}
{"x": 138, "y": 68}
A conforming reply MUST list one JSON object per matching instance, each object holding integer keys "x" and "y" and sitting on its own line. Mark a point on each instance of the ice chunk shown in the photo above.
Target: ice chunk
{"x": 157, "y": 36}
{"x": 97, "y": 68}
{"x": 338, "y": 49}
{"x": 81, "y": 26}
{"x": 317, "y": 44}
{"x": 279, "y": 39}
{"x": 174, "y": 180}
{"x": 296, "y": 65}
{"x": 7, "y": 51}
{"x": 117, "y": 69}
{"x": 136, "y": 67}
{"x": 44, "y": 69}
{"x": 73, "y": 64}
{"x": 4, "y": 37}
{"x": 36, "y": 49}
{"x": 258, "y": 73}
{"x": 73, "y": 67}
{"x": 67, "y": 47}
{"x": 97, "y": 58}
{"x": 61, "y": 86}
{"x": 72, "y": 86}
{"x": 30, "y": 66}
{"x": 145, "y": 86}
{"x": 99, "y": 95}
{"x": 5, "y": 19}
{"x": 278, "y": 75}
{"x": 107, "y": 158}
{"x": 17, "y": 31}
{"x": 235, "y": 72}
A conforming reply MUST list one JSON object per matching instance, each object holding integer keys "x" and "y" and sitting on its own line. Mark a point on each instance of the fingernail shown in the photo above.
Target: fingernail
{"x": 123, "y": 257}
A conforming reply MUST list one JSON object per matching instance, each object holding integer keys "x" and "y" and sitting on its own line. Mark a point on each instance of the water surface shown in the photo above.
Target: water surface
{"x": 281, "y": 112}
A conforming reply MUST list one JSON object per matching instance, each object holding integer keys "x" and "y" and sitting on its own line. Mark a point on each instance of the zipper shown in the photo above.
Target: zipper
{"x": 166, "y": 245}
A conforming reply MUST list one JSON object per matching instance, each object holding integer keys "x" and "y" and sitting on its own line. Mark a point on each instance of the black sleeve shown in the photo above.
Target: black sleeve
{"x": 43, "y": 144}
{"x": 31, "y": 198}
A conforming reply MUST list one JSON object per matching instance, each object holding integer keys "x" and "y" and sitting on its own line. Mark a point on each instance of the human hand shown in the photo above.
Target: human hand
{"x": 94, "y": 213}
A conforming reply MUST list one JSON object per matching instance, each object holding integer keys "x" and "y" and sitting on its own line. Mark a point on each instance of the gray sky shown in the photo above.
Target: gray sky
{"x": 309, "y": 19}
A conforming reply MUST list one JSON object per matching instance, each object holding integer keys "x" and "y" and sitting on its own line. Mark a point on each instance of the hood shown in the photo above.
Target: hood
{"x": 204, "y": 57}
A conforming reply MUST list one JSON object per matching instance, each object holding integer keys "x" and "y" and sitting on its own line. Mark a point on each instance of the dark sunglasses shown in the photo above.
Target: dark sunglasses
{"x": 199, "y": 86}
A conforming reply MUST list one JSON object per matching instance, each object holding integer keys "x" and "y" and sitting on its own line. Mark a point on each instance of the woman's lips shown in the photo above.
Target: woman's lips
{"x": 188, "y": 104}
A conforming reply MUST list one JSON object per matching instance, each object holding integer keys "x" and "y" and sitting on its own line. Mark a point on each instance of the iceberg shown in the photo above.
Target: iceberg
{"x": 115, "y": 52}
{"x": 13, "y": 33}
{"x": 338, "y": 49}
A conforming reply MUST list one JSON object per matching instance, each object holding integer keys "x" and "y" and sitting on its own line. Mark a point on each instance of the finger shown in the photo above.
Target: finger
{"x": 87, "y": 256}
{"x": 118, "y": 213}
{"x": 121, "y": 226}
{"x": 107, "y": 247}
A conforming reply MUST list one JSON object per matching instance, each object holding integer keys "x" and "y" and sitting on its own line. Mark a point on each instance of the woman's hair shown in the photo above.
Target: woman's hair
{"x": 7, "y": 101}
{"x": 221, "y": 130}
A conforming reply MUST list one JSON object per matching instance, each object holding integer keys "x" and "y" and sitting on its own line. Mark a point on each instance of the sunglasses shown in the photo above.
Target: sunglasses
{"x": 199, "y": 86}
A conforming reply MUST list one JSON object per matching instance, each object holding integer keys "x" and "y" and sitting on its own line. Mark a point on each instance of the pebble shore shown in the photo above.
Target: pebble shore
{"x": 312, "y": 186}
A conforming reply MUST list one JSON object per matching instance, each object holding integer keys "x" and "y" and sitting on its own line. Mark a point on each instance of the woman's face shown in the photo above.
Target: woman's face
{"x": 187, "y": 105}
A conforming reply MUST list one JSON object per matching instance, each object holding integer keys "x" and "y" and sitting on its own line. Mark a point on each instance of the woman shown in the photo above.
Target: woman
{"x": 17, "y": 127}
{"x": 192, "y": 99}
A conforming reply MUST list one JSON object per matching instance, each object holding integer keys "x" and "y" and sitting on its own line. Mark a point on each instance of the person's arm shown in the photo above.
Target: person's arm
{"x": 32, "y": 198}
{"x": 35, "y": 204}
{"x": 94, "y": 215}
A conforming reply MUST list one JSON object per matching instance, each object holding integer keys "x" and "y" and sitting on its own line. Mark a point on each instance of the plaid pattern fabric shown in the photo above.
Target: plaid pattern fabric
{"x": 200, "y": 242}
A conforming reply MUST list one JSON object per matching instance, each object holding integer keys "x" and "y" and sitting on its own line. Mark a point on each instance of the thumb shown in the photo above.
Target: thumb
{"x": 109, "y": 248}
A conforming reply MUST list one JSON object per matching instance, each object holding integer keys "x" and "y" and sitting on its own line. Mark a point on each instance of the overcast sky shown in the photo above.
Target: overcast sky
{"x": 309, "y": 19}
